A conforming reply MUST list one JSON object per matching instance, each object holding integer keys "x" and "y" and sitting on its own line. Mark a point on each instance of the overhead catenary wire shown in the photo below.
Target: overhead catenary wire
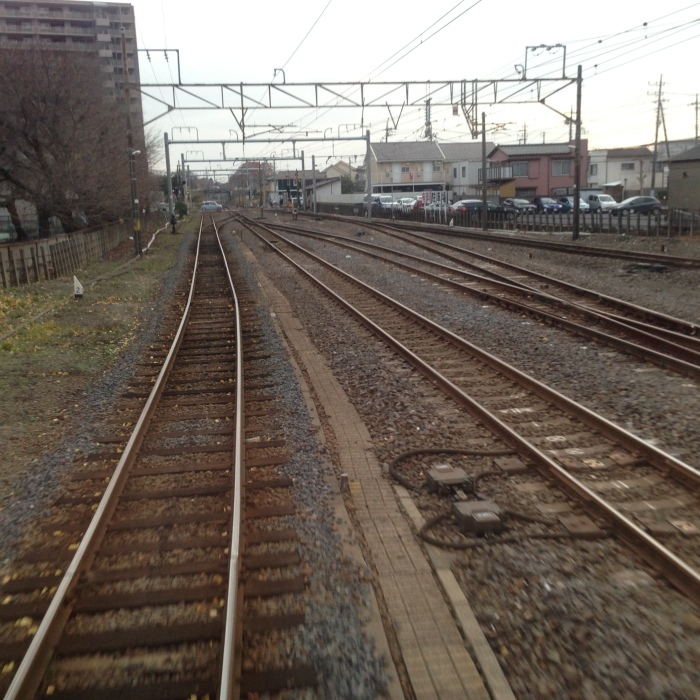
{"x": 627, "y": 42}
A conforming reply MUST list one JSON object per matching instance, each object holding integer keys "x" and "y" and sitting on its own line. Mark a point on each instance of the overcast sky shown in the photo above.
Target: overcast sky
{"x": 623, "y": 46}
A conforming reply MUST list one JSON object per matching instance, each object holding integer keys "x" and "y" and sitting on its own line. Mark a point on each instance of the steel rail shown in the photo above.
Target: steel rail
{"x": 678, "y": 572}
{"x": 510, "y": 237}
{"x": 229, "y": 688}
{"x": 682, "y": 360}
{"x": 566, "y": 247}
{"x": 683, "y": 327}
{"x": 30, "y": 672}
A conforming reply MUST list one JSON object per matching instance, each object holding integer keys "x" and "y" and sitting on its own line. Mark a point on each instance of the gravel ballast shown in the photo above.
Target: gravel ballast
{"x": 596, "y": 624}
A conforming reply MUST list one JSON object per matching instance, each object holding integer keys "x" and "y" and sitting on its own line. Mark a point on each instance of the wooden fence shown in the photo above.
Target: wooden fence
{"x": 49, "y": 258}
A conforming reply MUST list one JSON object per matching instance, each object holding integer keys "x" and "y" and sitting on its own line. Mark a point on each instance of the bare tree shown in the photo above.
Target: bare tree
{"x": 62, "y": 138}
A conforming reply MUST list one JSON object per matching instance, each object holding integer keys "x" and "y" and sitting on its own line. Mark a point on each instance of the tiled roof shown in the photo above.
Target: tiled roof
{"x": 464, "y": 151}
{"x": 534, "y": 149}
{"x": 690, "y": 154}
{"x": 406, "y": 151}
{"x": 638, "y": 152}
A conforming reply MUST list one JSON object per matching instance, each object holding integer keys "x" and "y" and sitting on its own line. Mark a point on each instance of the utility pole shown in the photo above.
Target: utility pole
{"x": 695, "y": 104}
{"x": 656, "y": 141}
{"x": 168, "y": 175}
{"x": 428, "y": 126}
{"x": 368, "y": 176}
{"x": 524, "y": 134}
{"x": 183, "y": 179}
{"x": 577, "y": 158}
{"x": 313, "y": 179}
{"x": 135, "y": 217}
{"x": 484, "y": 202}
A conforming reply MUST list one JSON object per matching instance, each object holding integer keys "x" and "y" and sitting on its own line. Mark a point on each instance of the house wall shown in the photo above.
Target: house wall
{"x": 388, "y": 176}
{"x": 466, "y": 184}
{"x": 540, "y": 179}
{"x": 684, "y": 185}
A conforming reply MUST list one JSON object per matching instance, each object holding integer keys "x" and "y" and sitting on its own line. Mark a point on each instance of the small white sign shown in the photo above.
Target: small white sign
{"x": 77, "y": 288}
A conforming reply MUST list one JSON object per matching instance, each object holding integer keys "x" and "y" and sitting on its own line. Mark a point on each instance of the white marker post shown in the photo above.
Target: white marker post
{"x": 77, "y": 288}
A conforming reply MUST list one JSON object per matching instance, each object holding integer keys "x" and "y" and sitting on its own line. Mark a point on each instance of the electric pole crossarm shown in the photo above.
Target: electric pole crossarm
{"x": 162, "y": 114}
{"x": 239, "y": 92}
{"x": 345, "y": 98}
{"x": 309, "y": 95}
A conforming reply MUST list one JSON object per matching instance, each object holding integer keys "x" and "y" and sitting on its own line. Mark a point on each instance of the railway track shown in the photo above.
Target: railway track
{"x": 512, "y": 239}
{"x": 521, "y": 292}
{"x": 139, "y": 585}
{"x": 615, "y": 474}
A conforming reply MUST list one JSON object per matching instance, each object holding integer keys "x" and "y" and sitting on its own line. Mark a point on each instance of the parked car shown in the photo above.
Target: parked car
{"x": 381, "y": 202}
{"x": 601, "y": 202}
{"x": 437, "y": 206}
{"x": 519, "y": 206}
{"x": 211, "y": 206}
{"x": 386, "y": 201}
{"x": 638, "y": 205}
{"x": 567, "y": 204}
{"x": 406, "y": 203}
{"x": 462, "y": 205}
{"x": 475, "y": 206}
{"x": 546, "y": 204}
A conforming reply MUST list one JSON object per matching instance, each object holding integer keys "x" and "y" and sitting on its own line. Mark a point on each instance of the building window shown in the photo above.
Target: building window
{"x": 593, "y": 169}
{"x": 520, "y": 168}
{"x": 561, "y": 167}
{"x": 404, "y": 168}
{"x": 659, "y": 167}
{"x": 454, "y": 172}
{"x": 627, "y": 166}
{"x": 464, "y": 171}
{"x": 437, "y": 166}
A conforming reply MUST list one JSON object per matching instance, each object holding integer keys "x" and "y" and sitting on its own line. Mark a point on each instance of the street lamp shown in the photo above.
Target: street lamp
{"x": 136, "y": 219}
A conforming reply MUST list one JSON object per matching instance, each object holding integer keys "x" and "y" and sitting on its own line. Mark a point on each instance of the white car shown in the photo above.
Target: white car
{"x": 601, "y": 202}
{"x": 211, "y": 206}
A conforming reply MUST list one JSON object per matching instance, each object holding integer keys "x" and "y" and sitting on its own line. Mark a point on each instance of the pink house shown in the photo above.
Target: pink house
{"x": 539, "y": 169}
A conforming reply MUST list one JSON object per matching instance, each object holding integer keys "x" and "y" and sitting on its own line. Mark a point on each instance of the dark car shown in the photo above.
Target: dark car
{"x": 475, "y": 206}
{"x": 546, "y": 204}
{"x": 638, "y": 205}
{"x": 519, "y": 206}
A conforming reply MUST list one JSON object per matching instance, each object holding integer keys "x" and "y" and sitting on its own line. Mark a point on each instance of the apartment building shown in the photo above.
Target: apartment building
{"x": 68, "y": 25}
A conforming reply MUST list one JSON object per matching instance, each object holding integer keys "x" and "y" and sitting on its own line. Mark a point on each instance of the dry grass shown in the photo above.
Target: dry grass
{"x": 49, "y": 362}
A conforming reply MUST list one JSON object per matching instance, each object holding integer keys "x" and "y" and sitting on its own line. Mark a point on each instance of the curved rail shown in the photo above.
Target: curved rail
{"x": 658, "y": 349}
{"x": 30, "y": 673}
{"x": 682, "y": 575}
{"x": 661, "y": 321}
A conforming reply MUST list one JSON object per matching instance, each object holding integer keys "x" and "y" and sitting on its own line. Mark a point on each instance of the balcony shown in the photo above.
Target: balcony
{"x": 498, "y": 174}
{"x": 17, "y": 28}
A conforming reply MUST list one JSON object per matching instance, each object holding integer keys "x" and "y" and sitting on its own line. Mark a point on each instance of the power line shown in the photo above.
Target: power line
{"x": 307, "y": 34}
